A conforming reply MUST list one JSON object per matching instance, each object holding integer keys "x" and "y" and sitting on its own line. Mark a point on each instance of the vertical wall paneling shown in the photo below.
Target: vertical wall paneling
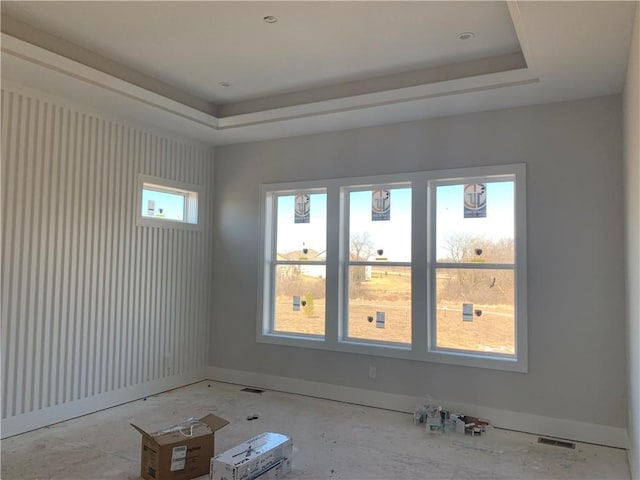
{"x": 7, "y": 131}
{"x": 7, "y": 216}
{"x": 20, "y": 284}
{"x": 36, "y": 256}
{"x": 92, "y": 303}
{"x": 48, "y": 240}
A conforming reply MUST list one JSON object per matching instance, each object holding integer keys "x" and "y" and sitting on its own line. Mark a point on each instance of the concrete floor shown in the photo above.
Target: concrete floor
{"x": 332, "y": 440}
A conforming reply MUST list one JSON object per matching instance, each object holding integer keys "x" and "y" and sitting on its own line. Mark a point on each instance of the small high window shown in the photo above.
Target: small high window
{"x": 167, "y": 203}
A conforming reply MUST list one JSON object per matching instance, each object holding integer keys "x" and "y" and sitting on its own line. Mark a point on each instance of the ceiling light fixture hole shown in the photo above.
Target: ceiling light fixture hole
{"x": 466, "y": 35}
{"x": 270, "y": 19}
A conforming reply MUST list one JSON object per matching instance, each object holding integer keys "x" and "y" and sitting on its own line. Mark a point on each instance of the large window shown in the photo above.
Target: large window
{"x": 426, "y": 266}
{"x": 473, "y": 307}
{"x": 378, "y": 259}
{"x": 296, "y": 256}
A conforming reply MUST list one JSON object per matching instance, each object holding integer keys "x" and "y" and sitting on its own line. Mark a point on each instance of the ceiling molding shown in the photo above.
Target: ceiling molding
{"x": 471, "y": 68}
{"x": 46, "y": 59}
{"x": 54, "y": 44}
{"x": 401, "y": 95}
{"x": 521, "y": 33}
{"x": 76, "y": 70}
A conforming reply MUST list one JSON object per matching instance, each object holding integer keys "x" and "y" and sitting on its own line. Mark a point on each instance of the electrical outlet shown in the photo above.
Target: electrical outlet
{"x": 372, "y": 371}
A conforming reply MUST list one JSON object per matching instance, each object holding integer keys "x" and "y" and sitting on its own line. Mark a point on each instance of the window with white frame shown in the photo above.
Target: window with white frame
{"x": 167, "y": 203}
{"x": 296, "y": 254}
{"x": 378, "y": 264}
{"x": 473, "y": 257}
{"x": 427, "y": 266}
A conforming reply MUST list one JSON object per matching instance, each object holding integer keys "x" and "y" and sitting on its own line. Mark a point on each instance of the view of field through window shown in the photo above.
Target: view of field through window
{"x": 379, "y": 300}
{"x": 376, "y": 288}
{"x": 299, "y": 304}
{"x": 474, "y": 305}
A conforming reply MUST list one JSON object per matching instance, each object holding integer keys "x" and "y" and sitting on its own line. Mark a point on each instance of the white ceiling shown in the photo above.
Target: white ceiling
{"x": 195, "y": 45}
{"x": 323, "y": 66}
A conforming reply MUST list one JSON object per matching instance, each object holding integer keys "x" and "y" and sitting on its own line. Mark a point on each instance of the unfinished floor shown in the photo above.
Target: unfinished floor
{"x": 332, "y": 440}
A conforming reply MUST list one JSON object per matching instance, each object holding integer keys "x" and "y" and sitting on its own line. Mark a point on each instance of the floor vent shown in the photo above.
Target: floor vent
{"x": 556, "y": 443}
{"x": 252, "y": 390}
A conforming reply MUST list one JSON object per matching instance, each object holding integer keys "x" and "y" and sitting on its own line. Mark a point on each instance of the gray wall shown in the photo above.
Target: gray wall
{"x": 632, "y": 184}
{"x": 91, "y": 303}
{"x": 576, "y": 289}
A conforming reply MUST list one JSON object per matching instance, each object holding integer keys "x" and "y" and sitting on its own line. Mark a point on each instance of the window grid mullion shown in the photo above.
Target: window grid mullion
{"x": 477, "y": 266}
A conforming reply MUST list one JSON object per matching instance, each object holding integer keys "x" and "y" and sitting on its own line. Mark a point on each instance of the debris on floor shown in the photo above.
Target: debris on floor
{"x": 266, "y": 456}
{"x": 257, "y": 391}
{"x": 469, "y": 425}
{"x": 437, "y": 419}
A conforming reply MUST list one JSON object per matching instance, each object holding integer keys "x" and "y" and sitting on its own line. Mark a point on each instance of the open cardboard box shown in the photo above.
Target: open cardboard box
{"x": 179, "y": 452}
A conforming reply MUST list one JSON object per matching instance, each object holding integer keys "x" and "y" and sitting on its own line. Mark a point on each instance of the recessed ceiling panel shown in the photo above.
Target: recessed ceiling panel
{"x": 226, "y": 52}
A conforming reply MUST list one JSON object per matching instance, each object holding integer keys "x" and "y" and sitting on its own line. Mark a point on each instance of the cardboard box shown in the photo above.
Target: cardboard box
{"x": 266, "y": 456}
{"x": 179, "y": 452}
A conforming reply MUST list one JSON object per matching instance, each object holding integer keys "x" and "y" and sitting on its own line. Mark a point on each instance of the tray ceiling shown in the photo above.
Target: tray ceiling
{"x": 319, "y": 65}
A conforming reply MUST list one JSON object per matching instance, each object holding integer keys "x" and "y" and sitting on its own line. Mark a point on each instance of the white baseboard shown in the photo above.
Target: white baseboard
{"x": 59, "y": 413}
{"x": 633, "y": 463}
{"x": 523, "y": 422}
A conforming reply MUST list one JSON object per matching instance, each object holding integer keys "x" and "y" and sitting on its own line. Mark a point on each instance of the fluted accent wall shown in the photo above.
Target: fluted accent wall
{"x": 92, "y": 303}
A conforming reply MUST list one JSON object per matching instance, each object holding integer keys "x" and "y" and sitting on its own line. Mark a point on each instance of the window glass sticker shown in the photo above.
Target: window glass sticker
{"x": 302, "y": 209}
{"x": 380, "y": 205}
{"x": 475, "y": 200}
